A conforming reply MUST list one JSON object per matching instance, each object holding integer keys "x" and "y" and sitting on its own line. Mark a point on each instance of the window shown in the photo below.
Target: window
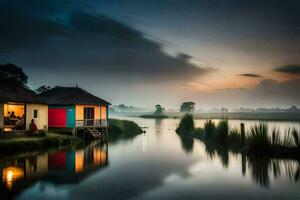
{"x": 35, "y": 113}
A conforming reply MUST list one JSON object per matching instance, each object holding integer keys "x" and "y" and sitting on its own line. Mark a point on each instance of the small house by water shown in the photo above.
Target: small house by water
{"x": 75, "y": 108}
{"x": 18, "y": 106}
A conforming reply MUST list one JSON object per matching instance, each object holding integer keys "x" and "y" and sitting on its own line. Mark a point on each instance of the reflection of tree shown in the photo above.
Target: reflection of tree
{"x": 158, "y": 126}
{"x": 187, "y": 144}
{"x": 259, "y": 168}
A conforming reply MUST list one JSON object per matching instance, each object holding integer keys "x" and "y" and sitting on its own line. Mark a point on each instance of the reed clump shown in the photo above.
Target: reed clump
{"x": 259, "y": 141}
{"x": 186, "y": 125}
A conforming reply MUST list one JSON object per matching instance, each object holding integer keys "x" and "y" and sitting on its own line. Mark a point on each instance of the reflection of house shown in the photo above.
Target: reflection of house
{"x": 73, "y": 107}
{"x": 73, "y": 166}
{"x": 23, "y": 171}
{"x": 18, "y": 106}
{"x": 59, "y": 167}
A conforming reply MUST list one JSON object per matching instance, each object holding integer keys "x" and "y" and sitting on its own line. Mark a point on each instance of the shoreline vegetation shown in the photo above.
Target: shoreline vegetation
{"x": 157, "y": 114}
{"x": 18, "y": 144}
{"x": 118, "y": 129}
{"x": 122, "y": 129}
{"x": 260, "y": 141}
{"x": 153, "y": 116}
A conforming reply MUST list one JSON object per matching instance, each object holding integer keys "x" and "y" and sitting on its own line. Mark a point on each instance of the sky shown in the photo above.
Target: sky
{"x": 217, "y": 53}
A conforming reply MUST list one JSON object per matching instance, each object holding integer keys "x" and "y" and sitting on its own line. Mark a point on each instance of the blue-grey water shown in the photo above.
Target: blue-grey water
{"x": 155, "y": 165}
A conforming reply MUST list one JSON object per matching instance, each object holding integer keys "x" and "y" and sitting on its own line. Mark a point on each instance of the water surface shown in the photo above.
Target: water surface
{"x": 155, "y": 165}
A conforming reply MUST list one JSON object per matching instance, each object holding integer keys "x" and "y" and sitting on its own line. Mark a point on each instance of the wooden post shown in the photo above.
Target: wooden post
{"x": 243, "y": 136}
{"x": 243, "y": 164}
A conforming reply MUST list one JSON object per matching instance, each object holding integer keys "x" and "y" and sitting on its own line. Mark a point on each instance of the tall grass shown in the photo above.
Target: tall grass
{"x": 222, "y": 129}
{"x": 275, "y": 137}
{"x": 209, "y": 129}
{"x": 186, "y": 125}
{"x": 234, "y": 139}
{"x": 259, "y": 142}
{"x": 292, "y": 138}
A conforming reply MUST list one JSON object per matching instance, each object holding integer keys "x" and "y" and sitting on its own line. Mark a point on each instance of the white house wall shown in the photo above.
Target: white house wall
{"x": 42, "y": 118}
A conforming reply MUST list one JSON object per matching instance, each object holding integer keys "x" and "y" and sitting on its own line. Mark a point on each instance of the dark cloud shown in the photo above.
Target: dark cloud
{"x": 289, "y": 69}
{"x": 96, "y": 44}
{"x": 251, "y": 75}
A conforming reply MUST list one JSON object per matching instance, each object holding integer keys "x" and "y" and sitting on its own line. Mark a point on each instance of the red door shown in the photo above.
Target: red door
{"x": 57, "y": 117}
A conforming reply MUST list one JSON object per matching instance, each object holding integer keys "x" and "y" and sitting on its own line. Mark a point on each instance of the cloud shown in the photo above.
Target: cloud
{"x": 268, "y": 93}
{"x": 289, "y": 69}
{"x": 94, "y": 45}
{"x": 251, "y": 75}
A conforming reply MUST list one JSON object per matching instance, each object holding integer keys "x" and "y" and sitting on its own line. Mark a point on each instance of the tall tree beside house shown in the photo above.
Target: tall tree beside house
{"x": 159, "y": 109}
{"x": 13, "y": 74}
{"x": 42, "y": 89}
{"x": 187, "y": 106}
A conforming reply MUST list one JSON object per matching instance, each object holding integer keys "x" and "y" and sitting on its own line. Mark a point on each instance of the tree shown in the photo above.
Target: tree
{"x": 42, "y": 89}
{"x": 187, "y": 106}
{"x": 159, "y": 109}
{"x": 12, "y": 73}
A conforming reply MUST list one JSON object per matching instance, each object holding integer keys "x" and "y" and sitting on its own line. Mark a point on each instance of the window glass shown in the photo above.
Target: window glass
{"x": 35, "y": 114}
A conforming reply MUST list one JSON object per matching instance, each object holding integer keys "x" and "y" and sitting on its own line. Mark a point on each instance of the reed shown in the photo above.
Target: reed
{"x": 258, "y": 141}
{"x": 186, "y": 125}
{"x": 209, "y": 129}
{"x": 275, "y": 137}
{"x": 221, "y": 133}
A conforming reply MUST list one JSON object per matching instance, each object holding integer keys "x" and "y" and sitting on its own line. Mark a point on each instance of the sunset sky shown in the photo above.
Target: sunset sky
{"x": 216, "y": 52}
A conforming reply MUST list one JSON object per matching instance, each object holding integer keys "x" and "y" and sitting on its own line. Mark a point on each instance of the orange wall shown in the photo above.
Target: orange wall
{"x": 80, "y": 110}
{"x": 103, "y": 112}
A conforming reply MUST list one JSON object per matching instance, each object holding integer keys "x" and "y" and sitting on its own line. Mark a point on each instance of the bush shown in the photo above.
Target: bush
{"x": 186, "y": 125}
{"x": 123, "y": 127}
{"x": 259, "y": 143}
{"x": 209, "y": 129}
{"x": 234, "y": 139}
{"x": 199, "y": 133}
{"x": 221, "y": 133}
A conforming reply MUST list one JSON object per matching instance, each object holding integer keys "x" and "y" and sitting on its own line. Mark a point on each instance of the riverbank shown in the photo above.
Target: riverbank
{"x": 22, "y": 144}
{"x": 153, "y": 116}
{"x": 122, "y": 129}
{"x": 118, "y": 129}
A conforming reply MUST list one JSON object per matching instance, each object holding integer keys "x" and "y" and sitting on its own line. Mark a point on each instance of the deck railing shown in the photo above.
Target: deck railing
{"x": 91, "y": 123}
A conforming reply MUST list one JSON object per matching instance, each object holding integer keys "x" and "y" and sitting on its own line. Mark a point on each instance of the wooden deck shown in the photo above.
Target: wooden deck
{"x": 91, "y": 123}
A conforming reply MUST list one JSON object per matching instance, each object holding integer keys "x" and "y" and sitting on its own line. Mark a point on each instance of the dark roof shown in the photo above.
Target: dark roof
{"x": 71, "y": 96}
{"x": 11, "y": 92}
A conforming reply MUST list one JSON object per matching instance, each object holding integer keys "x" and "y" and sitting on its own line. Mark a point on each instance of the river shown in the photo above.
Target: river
{"x": 154, "y": 165}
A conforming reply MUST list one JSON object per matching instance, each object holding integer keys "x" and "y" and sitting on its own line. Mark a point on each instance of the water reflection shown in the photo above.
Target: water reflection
{"x": 61, "y": 167}
{"x": 187, "y": 144}
{"x": 259, "y": 168}
{"x": 155, "y": 165}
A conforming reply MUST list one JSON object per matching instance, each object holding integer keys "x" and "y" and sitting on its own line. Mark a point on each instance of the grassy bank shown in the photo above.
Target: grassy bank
{"x": 125, "y": 129}
{"x": 259, "y": 141}
{"x": 27, "y": 143}
{"x": 153, "y": 116}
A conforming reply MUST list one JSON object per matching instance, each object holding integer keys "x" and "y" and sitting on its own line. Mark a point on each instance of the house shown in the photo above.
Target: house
{"x": 75, "y": 108}
{"x": 18, "y": 106}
